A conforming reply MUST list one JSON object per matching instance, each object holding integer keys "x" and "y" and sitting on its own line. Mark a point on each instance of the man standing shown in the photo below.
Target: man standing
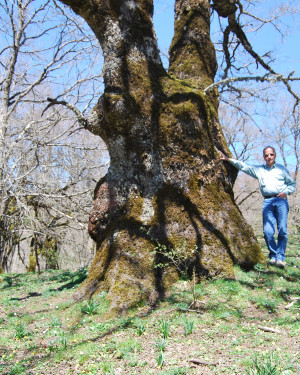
{"x": 275, "y": 185}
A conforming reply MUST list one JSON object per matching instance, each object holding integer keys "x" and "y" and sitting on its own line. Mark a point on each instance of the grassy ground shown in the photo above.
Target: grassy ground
{"x": 245, "y": 326}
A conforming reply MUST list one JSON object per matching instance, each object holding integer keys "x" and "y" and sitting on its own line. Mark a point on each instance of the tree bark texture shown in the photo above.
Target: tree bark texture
{"x": 161, "y": 132}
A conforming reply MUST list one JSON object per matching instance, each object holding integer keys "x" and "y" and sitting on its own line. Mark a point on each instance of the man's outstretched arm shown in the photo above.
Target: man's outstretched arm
{"x": 251, "y": 170}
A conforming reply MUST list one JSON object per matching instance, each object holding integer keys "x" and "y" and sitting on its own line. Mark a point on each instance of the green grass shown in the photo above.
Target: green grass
{"x": 44, "y": 332}
{"x": 270, "y": 364}
{"x": 188, "y": 326}
{"x": 164, "y": 328}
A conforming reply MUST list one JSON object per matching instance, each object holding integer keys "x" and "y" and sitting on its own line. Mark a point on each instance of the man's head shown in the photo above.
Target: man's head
{"x": 269, "y": 155}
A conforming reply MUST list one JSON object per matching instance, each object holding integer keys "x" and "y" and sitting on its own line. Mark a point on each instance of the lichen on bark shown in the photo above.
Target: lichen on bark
{"x": 161, "y": 132}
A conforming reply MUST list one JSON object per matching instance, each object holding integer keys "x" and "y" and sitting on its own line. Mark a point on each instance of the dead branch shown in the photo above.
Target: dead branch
{"x": 267, "y": 78}
{"x": 291, "y": 304}
{"x": 267, "y": 329}
{"x": 201, "y": 362}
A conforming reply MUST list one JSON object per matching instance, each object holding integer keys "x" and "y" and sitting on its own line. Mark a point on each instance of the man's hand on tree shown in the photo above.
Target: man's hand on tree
{"x": 222, "y": 156}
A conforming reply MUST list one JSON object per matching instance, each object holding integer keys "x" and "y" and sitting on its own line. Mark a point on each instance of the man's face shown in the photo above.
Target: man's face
{"x": 269, "y": 156}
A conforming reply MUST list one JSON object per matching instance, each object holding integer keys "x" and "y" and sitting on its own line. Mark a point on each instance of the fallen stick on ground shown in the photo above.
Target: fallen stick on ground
{"x": 200, "y": 362}
{"x": 267, "y": 329}
{"x": 295, "y": 300}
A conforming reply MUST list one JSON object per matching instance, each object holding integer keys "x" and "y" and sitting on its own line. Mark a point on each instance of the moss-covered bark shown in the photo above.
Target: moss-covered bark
{"x": 161, "y": 132}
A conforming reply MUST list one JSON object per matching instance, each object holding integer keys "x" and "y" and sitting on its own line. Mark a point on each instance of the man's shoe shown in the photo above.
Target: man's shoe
{"x": 272, "y": 262}
{"x": 280, "y": 264}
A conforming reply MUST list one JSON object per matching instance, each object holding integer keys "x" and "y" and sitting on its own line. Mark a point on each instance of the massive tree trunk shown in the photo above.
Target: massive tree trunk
{"x": 161, "y": 132}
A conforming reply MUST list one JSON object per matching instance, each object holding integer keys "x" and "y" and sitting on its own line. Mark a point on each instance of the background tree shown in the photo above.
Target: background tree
{"x": 288, "y": 141}
{"x": 47, "y": 171}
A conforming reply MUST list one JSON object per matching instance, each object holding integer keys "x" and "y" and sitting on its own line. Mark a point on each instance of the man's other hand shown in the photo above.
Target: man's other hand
{"x": 282, "y": 195}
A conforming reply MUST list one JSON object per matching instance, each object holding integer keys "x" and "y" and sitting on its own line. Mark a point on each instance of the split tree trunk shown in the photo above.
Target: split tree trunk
{"x": 161, "y": 132}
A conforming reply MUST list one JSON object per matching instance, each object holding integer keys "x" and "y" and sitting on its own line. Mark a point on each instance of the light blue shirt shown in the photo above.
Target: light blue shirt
{"x": 272, "y": 181}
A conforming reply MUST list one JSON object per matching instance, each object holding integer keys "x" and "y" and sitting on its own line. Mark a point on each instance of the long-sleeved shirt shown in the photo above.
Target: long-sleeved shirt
{"x": 272, "y": 181}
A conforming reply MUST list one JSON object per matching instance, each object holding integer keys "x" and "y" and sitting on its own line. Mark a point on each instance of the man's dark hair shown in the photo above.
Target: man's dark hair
{"x": 269, "y": 147}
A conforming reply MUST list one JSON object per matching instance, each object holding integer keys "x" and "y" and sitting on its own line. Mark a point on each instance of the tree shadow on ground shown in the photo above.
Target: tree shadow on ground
{"x": 76, "y": 278}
